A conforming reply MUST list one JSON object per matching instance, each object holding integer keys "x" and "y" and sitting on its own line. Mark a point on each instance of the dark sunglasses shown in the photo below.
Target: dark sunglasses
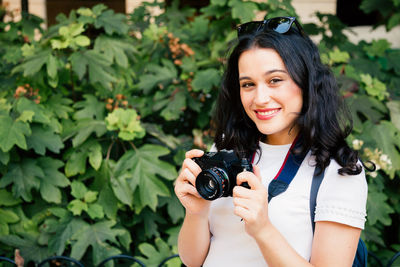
{"x": 278, "y": 24}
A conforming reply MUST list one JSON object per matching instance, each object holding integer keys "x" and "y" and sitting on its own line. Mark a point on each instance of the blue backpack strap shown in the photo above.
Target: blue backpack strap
{"x": 287, "y": 171}
{"x": 316, "y": 182}
{"x": 361, "y": 257}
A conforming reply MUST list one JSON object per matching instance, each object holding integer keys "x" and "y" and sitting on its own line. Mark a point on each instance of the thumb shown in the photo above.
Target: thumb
{"x": 256, "y": 171}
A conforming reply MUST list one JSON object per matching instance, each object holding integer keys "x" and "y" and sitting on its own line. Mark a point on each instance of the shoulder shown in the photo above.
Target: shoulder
{"x": 342, "y": 198}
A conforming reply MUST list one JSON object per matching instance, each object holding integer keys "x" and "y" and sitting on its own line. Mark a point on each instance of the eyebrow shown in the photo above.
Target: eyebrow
{"x": 266, "y": 73}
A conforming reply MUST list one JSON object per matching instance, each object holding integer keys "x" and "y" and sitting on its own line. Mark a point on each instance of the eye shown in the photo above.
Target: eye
{"x": 275, "y": 80}
{"x": 246, "y": 85}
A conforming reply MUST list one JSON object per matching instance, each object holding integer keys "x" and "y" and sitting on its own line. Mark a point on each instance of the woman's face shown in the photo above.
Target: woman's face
{"x": 269, "y": 96}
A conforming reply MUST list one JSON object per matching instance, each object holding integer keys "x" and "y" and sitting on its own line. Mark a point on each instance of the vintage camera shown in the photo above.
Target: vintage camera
{"x": 219, "y": 171}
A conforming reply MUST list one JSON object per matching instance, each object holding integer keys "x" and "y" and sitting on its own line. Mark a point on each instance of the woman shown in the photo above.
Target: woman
{"x": 275, "y": 88}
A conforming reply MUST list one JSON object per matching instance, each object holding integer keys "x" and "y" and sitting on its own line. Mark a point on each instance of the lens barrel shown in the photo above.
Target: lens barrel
{"x": 212, "y": 183}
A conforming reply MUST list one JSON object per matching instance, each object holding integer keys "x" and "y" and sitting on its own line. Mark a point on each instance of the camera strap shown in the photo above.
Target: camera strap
{"x": 288, "y": 170}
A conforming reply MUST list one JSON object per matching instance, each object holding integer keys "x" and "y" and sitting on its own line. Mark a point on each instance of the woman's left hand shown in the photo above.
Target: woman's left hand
{"x": 252, "y": 204}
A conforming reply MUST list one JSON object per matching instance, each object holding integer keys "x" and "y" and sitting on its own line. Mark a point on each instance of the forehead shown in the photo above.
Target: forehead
{"x": 260, "y": 60}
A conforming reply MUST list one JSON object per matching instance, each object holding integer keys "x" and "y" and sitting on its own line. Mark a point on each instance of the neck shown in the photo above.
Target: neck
{"x": 282, "y": 140}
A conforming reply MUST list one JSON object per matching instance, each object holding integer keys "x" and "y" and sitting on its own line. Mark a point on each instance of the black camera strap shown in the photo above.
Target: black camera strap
{"x": 287, "y": 172}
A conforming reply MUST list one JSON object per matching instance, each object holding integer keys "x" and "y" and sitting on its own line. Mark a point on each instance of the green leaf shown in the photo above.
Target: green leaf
{"x": 143, "y": 166}
{"x": 95, "y": 211}
{"x": 13, "y": 133}
{"x": 377, "y": 48}
{"x": 378, "y": 209}
{"x": 4, "y": 157}
{"x": 7, "y": 199}
{"x": 96, "y": 236}
{"x": 173, "y": 235}
{"x": 394, "y": 107}
{"x": 121, "y": 188}
{"x": 155, "y": 255}
{"x": 159, "y": 75}
{"x": 112, "y": 22}
{"x": 76, "y": 206}
{"x": 63, "y": 232}
{"x": 53, "y": 179}
{"x": 245, "y": 11}
{"x": 204, "y": 80}
{"x": 26, "y": 116}
{"x": 41, "y": 114}
{"x": 126, "y": 122}
{"x": 394, "y": 20}
{"x": 218, "y": 2}
{"x": 8, "y": 216}
{"x": 374, "y": 87}
{"x": 364, "y": 106}
{"x": 90, "y": 196}
{"x": 90, "y": 108}
{"x": 98, "y": 9}
{"x": 60, "y": 106}
{"x": 76, "y": 162}
{"x": 78, "y": 190}
{"x": 115, "y": 49}
{"x": 82, "y": 40}
{"x": 86, "y": 127}
{"x": 95, "y": 156}
{"x": 175, "y": 107}
{"x": 28, "y": 246}
{"x": 386, "y": 137}
{"x": 174, "y": 208}
{"x": 155, "y": 130}
{"x": 34, "y": 63}
{"x": 42, "y": 138}
{"x": 107, "y": 199}
{"x": 51, "y": 64}
{"x": 337, "y": 56}
{"x": 24, "y": 176}
{"x": 394, "y": 61}
{"x": 95, "y": 64}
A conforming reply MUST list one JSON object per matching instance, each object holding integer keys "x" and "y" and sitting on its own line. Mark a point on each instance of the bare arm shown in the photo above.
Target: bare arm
{"x": 194, "y": 240}
{"x": 334, "y": 244}
{"x": 194, "y": 236}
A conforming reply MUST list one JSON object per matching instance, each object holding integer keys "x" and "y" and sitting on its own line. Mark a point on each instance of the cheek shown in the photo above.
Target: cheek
{"x": 295, "y": 98}
{"x": 245, "y": 98}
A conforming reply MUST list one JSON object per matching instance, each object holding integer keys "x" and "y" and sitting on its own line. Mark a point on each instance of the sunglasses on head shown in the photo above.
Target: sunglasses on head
{"x": 278, "y": 24}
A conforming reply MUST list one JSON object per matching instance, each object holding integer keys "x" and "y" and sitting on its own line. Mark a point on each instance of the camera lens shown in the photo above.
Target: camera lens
{"x": 212, "y": 183}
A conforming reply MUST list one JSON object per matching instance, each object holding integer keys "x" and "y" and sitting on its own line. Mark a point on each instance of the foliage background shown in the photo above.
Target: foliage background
{"x": 96, "y": 115}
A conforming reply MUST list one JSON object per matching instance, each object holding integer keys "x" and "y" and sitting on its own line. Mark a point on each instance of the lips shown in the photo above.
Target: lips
{"x": 266, "y": 114}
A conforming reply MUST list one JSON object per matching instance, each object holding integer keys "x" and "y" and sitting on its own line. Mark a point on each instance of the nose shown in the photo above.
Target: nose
{"x": 263, "y": 95}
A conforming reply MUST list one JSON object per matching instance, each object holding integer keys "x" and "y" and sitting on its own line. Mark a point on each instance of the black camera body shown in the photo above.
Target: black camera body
{"x": 219, "y": 171}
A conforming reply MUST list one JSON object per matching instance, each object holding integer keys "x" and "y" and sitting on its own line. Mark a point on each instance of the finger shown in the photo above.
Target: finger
{"x": 242, "y": 192}
{"x": 241, "y": 212}
{"x": 192, "y": 166}
{"x": 249, "y": 177}
{"x": 190, "y": 189}
{"x": 194, "y": 153}
{"x": 256, "y": 171}
{"x": 242, "y": 202}
{"x": 183, "y": 189}
{"x": 188, "y": 176}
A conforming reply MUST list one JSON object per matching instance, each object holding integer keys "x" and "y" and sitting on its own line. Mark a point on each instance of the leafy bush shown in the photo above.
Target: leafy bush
{"x": 95, "y": 118}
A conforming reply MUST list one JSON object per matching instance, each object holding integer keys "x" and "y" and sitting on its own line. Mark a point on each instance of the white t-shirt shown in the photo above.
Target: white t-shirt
{"x": 340, "y": 199}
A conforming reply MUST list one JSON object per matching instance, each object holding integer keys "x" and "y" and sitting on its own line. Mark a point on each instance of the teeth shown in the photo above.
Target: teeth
{"x": 265, "y": 113}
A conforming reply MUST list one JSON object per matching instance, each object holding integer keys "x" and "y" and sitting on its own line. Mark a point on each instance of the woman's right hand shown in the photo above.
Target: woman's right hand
{"x": 185, "y": 186}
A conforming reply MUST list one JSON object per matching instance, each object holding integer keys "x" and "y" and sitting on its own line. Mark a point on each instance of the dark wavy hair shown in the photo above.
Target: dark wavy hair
{"x": 324, "y": 121}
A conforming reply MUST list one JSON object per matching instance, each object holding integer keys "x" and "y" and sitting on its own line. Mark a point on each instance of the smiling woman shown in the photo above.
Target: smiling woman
{"x": 270, "y": 97}
{"x": 277, "y": 101}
